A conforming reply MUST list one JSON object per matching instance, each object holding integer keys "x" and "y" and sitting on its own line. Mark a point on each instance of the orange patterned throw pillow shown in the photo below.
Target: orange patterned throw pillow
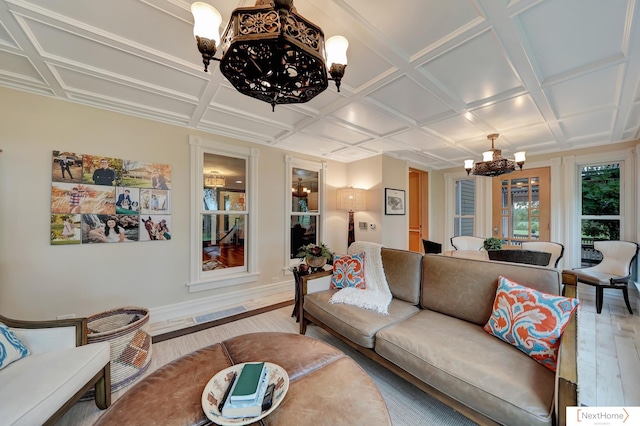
{"x": 348, "y": 271}
{"x": 530, "y": 320}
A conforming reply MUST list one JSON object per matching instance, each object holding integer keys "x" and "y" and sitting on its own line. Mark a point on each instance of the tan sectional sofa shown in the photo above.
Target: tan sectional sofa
{"x": 434, "y": 338}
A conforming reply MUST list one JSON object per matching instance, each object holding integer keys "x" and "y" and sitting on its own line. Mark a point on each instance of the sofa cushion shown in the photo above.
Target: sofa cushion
{"x": 348, "y": 271}
{"x": 403, "y": 270}
{"x": 466, "y": 288}
{"x": 357, "y": 324}
{"x": 461, "y": 360}
{"x": 36, "y": 387}
{"x": 530, "y": 320}
{"x": 11, "y": 348}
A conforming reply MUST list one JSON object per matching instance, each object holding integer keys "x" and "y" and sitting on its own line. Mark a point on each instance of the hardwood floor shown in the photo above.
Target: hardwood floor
{"x": 608, "y": 350}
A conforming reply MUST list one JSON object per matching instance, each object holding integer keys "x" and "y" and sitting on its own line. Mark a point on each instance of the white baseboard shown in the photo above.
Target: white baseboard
{"x": 213, "y": 303}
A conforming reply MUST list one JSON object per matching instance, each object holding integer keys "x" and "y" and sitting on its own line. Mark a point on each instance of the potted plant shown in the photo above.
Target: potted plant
{"x": 316, "y": 256}
{"x": 492, "y": 243}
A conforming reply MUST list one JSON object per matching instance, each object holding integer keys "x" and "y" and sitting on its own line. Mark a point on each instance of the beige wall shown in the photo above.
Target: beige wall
{"x": 38, "y": 280}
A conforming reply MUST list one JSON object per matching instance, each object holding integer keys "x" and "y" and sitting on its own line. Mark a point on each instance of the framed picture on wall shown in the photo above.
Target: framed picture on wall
{"x": 394, "y": 201}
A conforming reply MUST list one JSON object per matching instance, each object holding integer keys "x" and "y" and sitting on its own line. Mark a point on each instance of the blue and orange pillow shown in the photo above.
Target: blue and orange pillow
{"x": 11, "y": 348}
{"x": 348, "y": 271}
{"x": 530, "y": 320}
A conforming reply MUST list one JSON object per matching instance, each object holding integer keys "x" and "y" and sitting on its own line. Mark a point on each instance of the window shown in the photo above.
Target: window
{"x": 465, "y": 207}
{"x": 600, "y": 208}
{"x": 305, "y": 204}
{"x": 222, "y": 221}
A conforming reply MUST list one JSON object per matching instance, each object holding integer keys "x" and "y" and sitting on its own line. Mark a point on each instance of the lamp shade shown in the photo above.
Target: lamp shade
{"x": 352, "y": 199}
{"x": 206, "y": 21}
{"x": 520, "y": 157}
{"x": 336, "y": 48}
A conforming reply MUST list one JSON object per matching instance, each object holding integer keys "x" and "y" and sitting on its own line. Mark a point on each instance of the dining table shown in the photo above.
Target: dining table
{"x": 468, "y": 254}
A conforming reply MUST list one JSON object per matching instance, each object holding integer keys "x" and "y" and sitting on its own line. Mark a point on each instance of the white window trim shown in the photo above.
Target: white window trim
{"x": 198, "y": 279}
{"x": 572, "y": 166}
{"x": 321, "y": 168}
{"x": 482, "y": 216}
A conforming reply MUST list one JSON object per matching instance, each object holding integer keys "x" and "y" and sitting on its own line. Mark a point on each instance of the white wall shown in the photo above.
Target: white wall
{"x": 39, "y": 281}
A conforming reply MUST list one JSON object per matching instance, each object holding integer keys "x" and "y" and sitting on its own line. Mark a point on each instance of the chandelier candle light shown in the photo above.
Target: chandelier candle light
{"x": 270, "y": 52}
{"x": 214, "y": 180}
{"x": 493, "y": 164}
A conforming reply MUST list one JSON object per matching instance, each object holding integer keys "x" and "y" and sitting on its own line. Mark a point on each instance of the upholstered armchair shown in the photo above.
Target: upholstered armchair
{"x": 613, "y": 272}
{"x": 59, "y": 369}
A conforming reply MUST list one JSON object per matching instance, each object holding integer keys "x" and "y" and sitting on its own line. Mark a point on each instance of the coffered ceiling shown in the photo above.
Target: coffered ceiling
{"x": 427, "y": 80}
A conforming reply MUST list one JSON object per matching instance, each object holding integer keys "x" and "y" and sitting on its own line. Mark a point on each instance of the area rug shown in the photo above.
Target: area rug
{"x": 408, "y": 405}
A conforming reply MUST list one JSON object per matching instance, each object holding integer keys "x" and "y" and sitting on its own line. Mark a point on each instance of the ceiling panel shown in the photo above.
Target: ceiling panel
{"x": 224, "y": 120}
{"x": 528, "y": 137}
{"x": 588, "y": 92}
{"x": 19, "y": 66}
{"x": 131, "y": 21}
{"x": 518, "y": 111}
{"x": 301, "y": 142}
{"x": 564, "y": 35}
{"x": 438, "y": 20}
{"x": 475, "y": 70}
{"x": 368, "y": 118}
{"x": 456, "y": 128}
{"x": 331, "y": 130}
{"x": 418, "y": 140}
{"x": 426, "y": 80}
{"x": 230, "y": 98}
{"x": 76, "y": 81}
{"x": 407, "y": 97}
{"x": 6, "y": 39}
{"x": 63, "y": 45}
{"x": 598, "y": 123}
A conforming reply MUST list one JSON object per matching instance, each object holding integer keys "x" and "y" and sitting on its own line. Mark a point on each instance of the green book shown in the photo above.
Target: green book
{"x": 246, "y": 387}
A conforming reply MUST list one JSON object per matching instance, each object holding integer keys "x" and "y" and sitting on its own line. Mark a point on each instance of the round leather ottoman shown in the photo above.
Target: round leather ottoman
{"x": 326, "y": 386}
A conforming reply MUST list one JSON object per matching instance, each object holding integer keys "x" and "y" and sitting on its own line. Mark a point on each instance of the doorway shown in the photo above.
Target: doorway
{"x": 418, "y": 209}
{"x": 521, "y": 207}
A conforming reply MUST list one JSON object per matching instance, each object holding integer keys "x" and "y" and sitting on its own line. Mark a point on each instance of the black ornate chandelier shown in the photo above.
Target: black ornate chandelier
{"x": 493, "y": 164}
{"x": 269, "y": 52}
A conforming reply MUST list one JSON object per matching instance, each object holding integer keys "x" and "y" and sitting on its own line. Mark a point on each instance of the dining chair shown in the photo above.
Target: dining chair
{"x": 431, "y": 246}
{"x": 466, "y": 242}
{"x": 613, "y": 272}
{"x": 556, "y": 250}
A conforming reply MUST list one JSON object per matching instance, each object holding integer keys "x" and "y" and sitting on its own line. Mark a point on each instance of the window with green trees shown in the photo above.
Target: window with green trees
{"x": 600, "y": 197}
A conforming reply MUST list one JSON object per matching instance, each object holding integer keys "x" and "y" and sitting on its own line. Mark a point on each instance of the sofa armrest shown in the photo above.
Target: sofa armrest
{"x": 567, "y": 370}
{"x": 310, "y": 283}
{"x": 78, "y": 326}
{"x": 315, "y": 282}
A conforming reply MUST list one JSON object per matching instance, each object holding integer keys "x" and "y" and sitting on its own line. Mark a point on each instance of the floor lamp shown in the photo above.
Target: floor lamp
{"x": 352, "y": 199}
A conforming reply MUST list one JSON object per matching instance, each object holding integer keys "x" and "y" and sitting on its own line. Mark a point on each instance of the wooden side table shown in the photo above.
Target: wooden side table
{"x": 301, "y": 289}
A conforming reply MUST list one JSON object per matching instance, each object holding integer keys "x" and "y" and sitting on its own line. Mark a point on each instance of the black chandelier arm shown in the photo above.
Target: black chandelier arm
{"x": 208, "y": 49}
{"x": 337, "y": 72}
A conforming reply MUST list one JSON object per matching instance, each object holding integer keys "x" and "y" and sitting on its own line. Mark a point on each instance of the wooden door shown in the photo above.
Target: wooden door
{"x": 521, "y": 207}
{"x": 417, "y": 209}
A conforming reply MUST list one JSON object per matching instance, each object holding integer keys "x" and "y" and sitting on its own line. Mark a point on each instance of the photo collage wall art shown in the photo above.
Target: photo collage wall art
{"x": 97, "y": 199}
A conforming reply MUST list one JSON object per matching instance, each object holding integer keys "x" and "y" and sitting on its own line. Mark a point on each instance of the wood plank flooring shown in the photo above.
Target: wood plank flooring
{"x": 608, "y": 350}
